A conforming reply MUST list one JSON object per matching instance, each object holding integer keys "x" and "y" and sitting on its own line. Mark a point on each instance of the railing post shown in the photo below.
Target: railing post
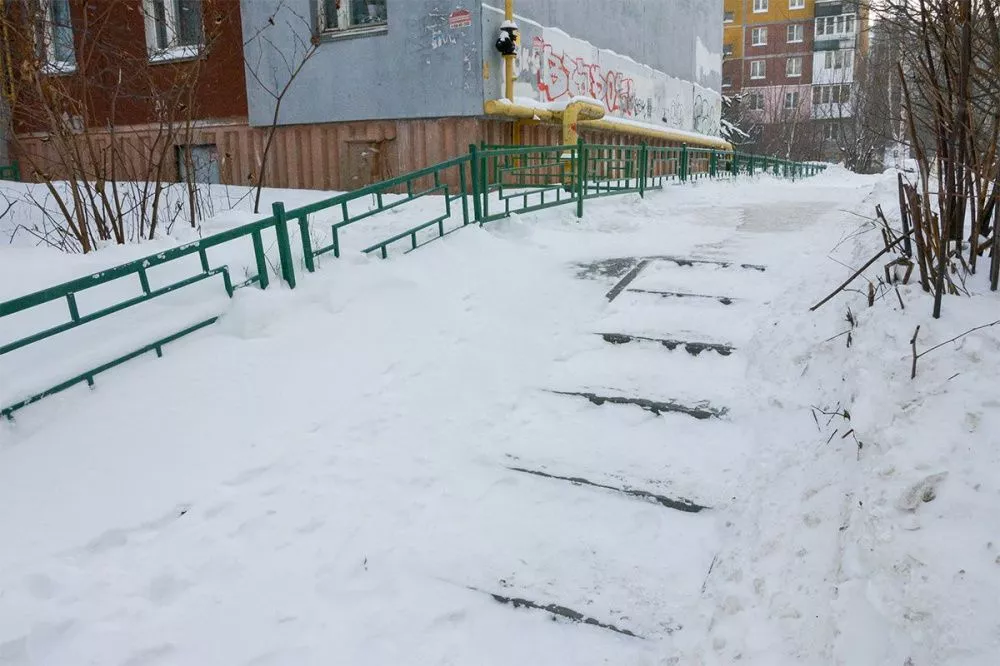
{"x": 462, "y": 184}
{"x": 750, "y": 165}
{"x": 643, "y": 168}
{"x": 581, "y": 176}
{"x": 307, "y": 250}
{"x": 477, "y": 204}
{"x": 284, "y": 244}
{"x": 684, "y": 162}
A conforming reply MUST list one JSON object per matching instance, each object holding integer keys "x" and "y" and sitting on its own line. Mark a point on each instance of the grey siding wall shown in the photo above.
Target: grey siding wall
{"x": 663, "y": 34}
{"x": 420, "y": 68}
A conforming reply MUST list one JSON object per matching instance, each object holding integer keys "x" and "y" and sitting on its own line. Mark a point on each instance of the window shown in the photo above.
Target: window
{"x": 831, "y": 94}
{"x": 173, "y": 28}
{"x": 835, "y": 25}
{"x": 829, "y": 131}
{"x": 796, "y": 4}
{"x": 727, "y": 50}
{"x": 760, "y": 5}
{"x": 796, "y": 33}
{"x": 838, "y": 59}
{"x": 727, "y": 82}
{"x": 728, "y": 17}
{"x": 832, "y": 58}
{"x": 758, "y": 37}
{"x": 792, "y": 100}
{"x": 793, "y": 66}
{"x": 353, "y": 15}
{"x": 757, "y": 70}
{"x": 55, "y": 37}
{"x": 755, "y": 101}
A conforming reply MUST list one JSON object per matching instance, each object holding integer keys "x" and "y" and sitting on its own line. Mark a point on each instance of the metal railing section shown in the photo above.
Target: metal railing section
{"x": 499, "y": 180}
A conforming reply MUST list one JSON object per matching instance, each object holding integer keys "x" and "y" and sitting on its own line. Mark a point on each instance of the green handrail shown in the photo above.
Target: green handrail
{"x": 519, "y": 178}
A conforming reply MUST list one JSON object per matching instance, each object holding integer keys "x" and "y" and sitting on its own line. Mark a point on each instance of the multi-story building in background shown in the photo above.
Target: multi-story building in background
{"x": 790, "y": 64}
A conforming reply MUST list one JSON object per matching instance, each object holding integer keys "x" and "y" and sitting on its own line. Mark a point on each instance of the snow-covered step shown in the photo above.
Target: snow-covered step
{"x": 647, "y": 369}
{"x": 711, "y": 279}
{"x": 609, "y": 555}
{"x": 638, "y": 314}
{"x": 692, "y": 347}
{"x": 722, "y": 300}
{"x": 676, "y": 503}
{"x": 672, "y": 454}
{"x": 700, "y": 410}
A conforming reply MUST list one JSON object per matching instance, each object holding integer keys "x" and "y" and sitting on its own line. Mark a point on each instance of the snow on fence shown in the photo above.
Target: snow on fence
{"x": 134, "y": 306}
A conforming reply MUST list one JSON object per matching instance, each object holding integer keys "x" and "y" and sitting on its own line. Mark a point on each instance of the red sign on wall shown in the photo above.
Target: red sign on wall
{"x": 460, "y": 18}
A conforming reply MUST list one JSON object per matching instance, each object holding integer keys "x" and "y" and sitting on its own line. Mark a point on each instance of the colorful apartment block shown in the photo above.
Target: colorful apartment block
{"x": 792, "y": 62}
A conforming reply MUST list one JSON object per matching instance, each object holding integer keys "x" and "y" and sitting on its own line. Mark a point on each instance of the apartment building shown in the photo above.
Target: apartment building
{"x": 791, "y": 63}
{"x": 368, "y": 88}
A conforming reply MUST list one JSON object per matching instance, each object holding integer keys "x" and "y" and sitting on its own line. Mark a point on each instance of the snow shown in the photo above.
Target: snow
{"x": 327, "y": 474}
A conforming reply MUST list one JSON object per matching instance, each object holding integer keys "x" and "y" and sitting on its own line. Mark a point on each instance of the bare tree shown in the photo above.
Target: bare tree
{"x": 107, "y": 183}
{"x": 951, "y": 93}
{"x": 276, "y": 74}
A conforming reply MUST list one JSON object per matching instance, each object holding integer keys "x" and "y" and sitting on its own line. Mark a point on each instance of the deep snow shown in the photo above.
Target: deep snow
{"x": 327, "y": 475}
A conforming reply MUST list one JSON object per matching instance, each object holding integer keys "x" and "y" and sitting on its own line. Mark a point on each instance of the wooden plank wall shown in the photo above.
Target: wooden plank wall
{"x": 334, "y": 156}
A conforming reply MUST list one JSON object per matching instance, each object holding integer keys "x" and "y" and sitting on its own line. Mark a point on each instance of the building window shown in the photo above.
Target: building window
{"x": 758, "y": 37}
{"x": 796, "y": 4}
{"x": 727, "y": 50}
{"x": 792, "y": 100}
{"x": 728, "y": 17}
{"x": 173, "y": 29}
{"x": 839, "y": 59}
{"x": 727, "y": 82}
{"x": 55, "y": 37}
{"x": 835, "y": 94}
{"x": 755, "y": 101}
{"x": 835, "y": 25}
{"x": 353, "y": 15}
{"x": 796, "y": 33}
{"x": 793, "y": 66}
{"x": 757, "y": 70}
{"x": 760, "y": 5}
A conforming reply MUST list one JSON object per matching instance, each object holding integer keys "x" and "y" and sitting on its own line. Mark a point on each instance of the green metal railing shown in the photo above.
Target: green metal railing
{"x": 489, "y": 183}
{"x": 10, "y": 172}
{"x": 139, "y": 269}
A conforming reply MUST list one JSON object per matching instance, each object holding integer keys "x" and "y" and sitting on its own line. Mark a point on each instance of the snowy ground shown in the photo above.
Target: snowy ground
{"x": 347, "y": 473}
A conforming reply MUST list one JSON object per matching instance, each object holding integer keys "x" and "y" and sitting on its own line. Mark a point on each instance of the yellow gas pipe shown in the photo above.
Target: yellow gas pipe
{"x": 508, "y": 75}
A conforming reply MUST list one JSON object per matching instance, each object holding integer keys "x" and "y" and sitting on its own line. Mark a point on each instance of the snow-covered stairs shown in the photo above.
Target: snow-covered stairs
{"x": 641, "y": 408}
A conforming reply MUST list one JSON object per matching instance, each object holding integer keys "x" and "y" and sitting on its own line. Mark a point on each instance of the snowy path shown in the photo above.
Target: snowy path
{"x": 356, "y": 472}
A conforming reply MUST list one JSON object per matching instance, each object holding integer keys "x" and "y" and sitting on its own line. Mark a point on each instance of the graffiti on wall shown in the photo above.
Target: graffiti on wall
{"x": 552, "y": 66}
{"x": 707, "y": 112}
{"x": 559, "y": 76}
